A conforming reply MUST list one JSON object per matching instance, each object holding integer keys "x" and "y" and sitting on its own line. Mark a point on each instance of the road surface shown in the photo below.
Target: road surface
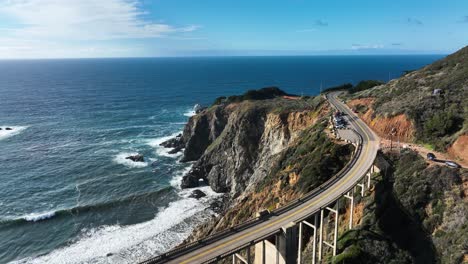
{"x": 363, "y": 162}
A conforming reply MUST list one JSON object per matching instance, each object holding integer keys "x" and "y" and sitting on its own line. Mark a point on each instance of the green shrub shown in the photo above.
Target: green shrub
{"x": 261, "y": 94}
{"x": 365, "y": 85}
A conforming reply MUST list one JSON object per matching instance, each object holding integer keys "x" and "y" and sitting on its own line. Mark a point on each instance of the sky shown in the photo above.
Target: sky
{"x": 161, "y": 28}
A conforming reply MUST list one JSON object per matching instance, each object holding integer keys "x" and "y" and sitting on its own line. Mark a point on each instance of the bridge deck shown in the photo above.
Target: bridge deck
{"x": 265, "y": 228}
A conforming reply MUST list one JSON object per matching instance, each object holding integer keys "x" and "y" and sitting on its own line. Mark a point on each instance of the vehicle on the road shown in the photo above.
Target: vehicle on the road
{"x": 263, "y": 213}
{"x": 452, "y": 164}
{"x": 431, "y": 156}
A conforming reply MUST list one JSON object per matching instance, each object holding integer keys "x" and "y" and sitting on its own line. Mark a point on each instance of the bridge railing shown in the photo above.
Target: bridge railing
{"x": 189, "y": 247}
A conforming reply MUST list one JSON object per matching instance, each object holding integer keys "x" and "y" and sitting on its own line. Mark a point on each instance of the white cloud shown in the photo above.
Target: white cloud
{"x": 306, "y": 30}
{"x": 366, "y": 46}
{"x": 84, "y": 20}
{"x": 38, "y": 26}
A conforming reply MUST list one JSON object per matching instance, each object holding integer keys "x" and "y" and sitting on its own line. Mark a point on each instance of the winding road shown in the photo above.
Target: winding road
{"x": 209, "y": 250}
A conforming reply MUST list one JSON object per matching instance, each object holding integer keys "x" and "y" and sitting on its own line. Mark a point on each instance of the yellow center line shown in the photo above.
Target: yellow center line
{"x": 322, "y": 196}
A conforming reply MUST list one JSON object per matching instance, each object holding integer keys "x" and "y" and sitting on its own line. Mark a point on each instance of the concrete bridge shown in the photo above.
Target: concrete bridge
{"x": 279, "y": 237}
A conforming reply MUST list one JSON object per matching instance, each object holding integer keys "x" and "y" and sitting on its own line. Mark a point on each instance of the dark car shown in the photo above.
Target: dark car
{"x": 431, "y": 156}
{"x": 263, "y": 214}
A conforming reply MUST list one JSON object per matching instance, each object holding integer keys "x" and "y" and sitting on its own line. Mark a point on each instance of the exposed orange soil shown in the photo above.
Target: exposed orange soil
{"x": 401, "y": 125}
{"x": 459, "y": 149}
{"x": 291, "y": 97}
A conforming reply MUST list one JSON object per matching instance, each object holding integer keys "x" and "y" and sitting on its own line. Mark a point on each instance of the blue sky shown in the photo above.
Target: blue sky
{"x": 144, "y": 28}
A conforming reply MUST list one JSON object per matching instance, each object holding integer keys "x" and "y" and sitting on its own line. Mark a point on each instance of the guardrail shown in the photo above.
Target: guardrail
{"x": 189, "y": 247}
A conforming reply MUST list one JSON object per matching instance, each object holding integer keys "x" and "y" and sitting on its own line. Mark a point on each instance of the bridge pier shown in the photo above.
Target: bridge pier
{"x": 236, "y": 257}
{"x": 283, "y": 251}
{"x": 350, "y": 196}
{"x": 314, "y": 239}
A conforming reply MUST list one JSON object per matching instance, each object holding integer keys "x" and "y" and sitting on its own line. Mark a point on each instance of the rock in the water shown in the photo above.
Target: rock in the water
{"x": 197, "y": 194}
{"x": 8, "y": 128}
{"x": 173, "y": 142}
{"x": 136, "y": 158}
{"x": 175, "y": 150}
{"x": 189, "y": 182}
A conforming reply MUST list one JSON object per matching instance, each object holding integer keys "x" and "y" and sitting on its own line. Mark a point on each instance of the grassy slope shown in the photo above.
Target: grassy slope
{"x": 438, "y": 120}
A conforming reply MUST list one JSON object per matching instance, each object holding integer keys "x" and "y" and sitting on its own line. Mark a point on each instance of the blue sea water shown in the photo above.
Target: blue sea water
{"x": 67, "y": 193}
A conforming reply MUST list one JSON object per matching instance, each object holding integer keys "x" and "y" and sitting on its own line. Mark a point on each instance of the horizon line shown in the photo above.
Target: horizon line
{"x": 225, "y": 56}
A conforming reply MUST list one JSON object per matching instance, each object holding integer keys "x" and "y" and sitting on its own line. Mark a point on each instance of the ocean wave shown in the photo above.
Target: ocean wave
{"x": 177, "y": 178}
{"x": 9, "y": 133}
{"x": 38, "y": 217}
{"x": 42, "y": 216}
{"x": 190, "y": 113}
{"x": 132, "y": 243}
{"x": 162, "y": 151}
{"x": 121, "y": 159}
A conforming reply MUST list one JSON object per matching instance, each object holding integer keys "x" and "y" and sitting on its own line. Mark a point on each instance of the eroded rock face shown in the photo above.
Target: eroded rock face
{"x": 234, "y": 145}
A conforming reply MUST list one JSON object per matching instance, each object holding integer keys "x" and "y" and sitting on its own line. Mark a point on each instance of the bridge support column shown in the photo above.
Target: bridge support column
{"x": 368, "y": 174}
{"x": 320, "y": 246}
{"x": 323, "y": 241}
{"x": 314, "y": 239}
{"x": 284, "y": 250}
{"x": 288, "y": 243}
{"x": 236, "y": 257}
{"x": 362, "y": 186}
{"x": 350, "y": 196}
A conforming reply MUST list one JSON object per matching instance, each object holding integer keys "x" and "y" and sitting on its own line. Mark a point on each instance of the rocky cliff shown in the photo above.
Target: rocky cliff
{"x": 262, "y": 153}
{"x": 233, "y": 145}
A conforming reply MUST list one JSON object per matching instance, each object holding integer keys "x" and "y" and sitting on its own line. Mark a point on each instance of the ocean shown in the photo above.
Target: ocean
{"x": 67, "y": 193}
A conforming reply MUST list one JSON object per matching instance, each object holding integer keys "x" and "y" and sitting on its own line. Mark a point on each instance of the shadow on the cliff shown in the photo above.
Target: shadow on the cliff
{"x": 407, "y": 233}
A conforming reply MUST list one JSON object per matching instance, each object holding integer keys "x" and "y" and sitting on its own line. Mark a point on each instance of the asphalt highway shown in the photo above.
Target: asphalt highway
{"x": 274, "y": 223}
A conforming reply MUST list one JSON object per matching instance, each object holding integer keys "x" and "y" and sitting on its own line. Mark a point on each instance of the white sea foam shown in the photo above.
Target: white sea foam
{"x": 34, "y": 217}
{"x": 189, "y": 113}
{"x": 162, "y": 151}
{"x": 176, "y": 180}
{"x": 9, "y": 133}
{"x": 121, "y": 159}
{"x": 130, "y": 244}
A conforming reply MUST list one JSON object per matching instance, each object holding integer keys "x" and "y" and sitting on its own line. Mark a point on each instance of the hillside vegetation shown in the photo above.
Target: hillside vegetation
{"x": 432, "y": 99}
{"x": 417, "y": 214}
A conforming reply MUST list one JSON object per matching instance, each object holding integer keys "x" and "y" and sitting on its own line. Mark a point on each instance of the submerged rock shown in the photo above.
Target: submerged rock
{"x": 173, "y": 142}
{"x": 8, "y": 128}
{"x": 197, "y": 194}
{"x": 175, "y": 150}
{"x": 136, "y": 158}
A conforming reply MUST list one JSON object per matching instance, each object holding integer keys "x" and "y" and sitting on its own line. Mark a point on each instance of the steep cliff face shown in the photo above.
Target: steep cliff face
{"x": 235, "y": 144}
